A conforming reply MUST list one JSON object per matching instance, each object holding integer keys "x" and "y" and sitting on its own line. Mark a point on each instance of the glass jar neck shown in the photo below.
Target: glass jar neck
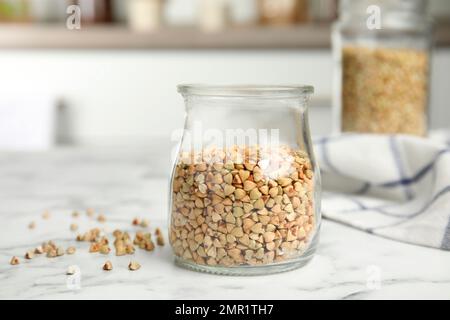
{"x": 248, "y": 98}
{"x": 394, "y": 14}
{"x": 246, "y": 115}
{"x": 418, "y": 7}
{"x": 245, "y": 91}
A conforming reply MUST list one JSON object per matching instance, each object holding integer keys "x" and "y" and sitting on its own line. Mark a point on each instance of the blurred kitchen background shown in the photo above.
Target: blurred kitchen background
{"x": 113, "y": 80}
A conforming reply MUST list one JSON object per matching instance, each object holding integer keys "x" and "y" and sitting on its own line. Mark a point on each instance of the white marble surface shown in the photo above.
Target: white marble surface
{"x": 124, "y": 183}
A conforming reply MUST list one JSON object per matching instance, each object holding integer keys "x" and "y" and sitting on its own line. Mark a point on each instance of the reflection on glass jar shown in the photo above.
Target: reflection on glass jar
{"x": 245, "y": 189}
{"x": 382, "y": 51}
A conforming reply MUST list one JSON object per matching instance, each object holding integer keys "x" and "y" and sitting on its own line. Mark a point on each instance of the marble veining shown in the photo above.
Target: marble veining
{"x": 124, "y": 183}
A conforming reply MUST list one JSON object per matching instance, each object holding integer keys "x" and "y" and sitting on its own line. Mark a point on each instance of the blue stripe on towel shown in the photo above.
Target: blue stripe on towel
{"x": 435, "y": 198}
{"x": 415, "y": 214}
{"x": 399, "y": 163}
{"x": 403, "y": 181}
{"x": 381, "y": 209}
{"x": 358, "y": 203}
{"x": 419, "y": 175}
{"x": 362, "y": 207}
{"x": 364, "y": 189}
{"x": 326, "y": 139}
{"x": 406, "y": 180}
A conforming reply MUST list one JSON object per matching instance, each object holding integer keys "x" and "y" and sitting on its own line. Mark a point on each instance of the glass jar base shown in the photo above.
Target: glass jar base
{"x": 249, "y": 270}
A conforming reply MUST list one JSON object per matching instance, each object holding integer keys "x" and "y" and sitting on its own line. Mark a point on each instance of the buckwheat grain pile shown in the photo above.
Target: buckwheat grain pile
{"x": 242, "y": 205}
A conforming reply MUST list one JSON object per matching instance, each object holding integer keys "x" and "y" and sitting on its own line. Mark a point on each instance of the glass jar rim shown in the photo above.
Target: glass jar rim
{"x": 248, "y": 91}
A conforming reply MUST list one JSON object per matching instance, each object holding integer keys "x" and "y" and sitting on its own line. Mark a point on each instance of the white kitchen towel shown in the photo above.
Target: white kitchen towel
{"x": 397, "y": 187}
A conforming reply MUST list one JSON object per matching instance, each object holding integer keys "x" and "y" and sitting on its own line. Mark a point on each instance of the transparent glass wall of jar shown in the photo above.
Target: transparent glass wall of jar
{"x": 245, "y": 188}
{"x": 382, "y": 57}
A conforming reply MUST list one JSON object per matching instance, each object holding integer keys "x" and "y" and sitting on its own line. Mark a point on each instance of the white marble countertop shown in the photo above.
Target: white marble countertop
{"x": 128, "y": 183}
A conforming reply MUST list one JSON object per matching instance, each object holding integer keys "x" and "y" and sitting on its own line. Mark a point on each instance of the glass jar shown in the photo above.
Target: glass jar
{"x": 145, "y": 15}
{"x": 245, "y": 188}
{"x": 382, "y": 56}
{"x": 285, "y": 12}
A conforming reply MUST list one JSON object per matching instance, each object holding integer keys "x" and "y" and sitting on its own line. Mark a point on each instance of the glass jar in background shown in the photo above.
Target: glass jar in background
{"x": 382, "y": 75}
{"x": 14, "y": 11}
{"x": 323, "y": 10}
{"x": 214, "y": 15}
{"x": 48, "y": 11}
{"x": 145, "y": 15}
{"x": 283, "y": 12}
{"x": 245, "y": 188}
{"x": 94, "y": 11}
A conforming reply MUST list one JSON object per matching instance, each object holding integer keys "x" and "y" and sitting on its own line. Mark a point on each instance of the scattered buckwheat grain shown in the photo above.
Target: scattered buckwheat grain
{"x": 160, "y": 240}
{"x": 60, "y": 251}
{"x": 144, "y": 241}
{"x": 71, "y": 250}
{"x": 144, "y": 223}
{"x": 51, "y": 253}
{"x": 94, "y": 247}
{"x": 133, "y": 265}
{"x": 71, "y": 270}
{"x": 90, "y": 236}
{"x": 107, "y": 266}
{"x": 123, "y": 243}
{"x": 105, "y": 249}
{"x": 39, "y": 250}
{"x": 90, "y": 212}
